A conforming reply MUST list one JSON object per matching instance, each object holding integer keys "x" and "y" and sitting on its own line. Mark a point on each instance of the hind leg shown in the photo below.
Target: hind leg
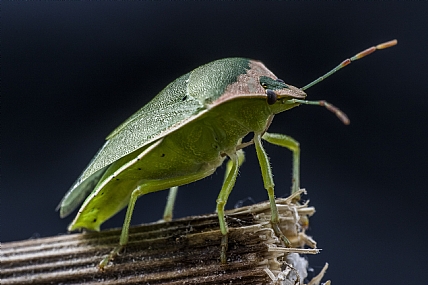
{"x": 148, "y": 187}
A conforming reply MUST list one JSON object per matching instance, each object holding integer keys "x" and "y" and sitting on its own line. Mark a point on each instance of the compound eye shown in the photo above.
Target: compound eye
{"x": 264, "y": 85}
{"x": 271, "y": 97}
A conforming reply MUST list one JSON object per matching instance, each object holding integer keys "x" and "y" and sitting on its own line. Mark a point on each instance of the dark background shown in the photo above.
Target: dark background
{"x": 71, "y": 72}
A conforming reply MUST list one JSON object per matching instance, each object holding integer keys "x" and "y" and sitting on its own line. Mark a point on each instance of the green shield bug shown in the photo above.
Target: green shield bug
{"x": 184, "y": 133}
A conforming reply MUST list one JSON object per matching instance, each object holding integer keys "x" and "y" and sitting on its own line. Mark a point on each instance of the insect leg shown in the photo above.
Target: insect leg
{"x": 241, "y": 159}
{"x": 269, "y": 186}
{"x": 293, "y": 145}
{"x": 125, "y": 229}
{"x": 169, "y": 208}
{"x": 149, "y": 187}
{"x": 167, "y": 216}
{"x": 228, "y": 184}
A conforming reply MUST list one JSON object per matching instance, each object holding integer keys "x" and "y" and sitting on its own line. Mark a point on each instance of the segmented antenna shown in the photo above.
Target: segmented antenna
{"x": 342, "y": 116}
{"x": 349, "y": 60}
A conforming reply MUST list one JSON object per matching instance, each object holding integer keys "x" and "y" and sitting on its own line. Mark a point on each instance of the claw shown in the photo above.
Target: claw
{"x": 280, "y": 235}
{"x": 110, "y": 257}
{"x": 223, "y": 249}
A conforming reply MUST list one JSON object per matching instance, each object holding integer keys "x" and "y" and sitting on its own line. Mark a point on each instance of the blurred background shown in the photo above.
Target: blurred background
{"x": 71, "y": 72}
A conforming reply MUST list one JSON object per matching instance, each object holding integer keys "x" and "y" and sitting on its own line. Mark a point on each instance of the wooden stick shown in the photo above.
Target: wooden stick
{"x": 184, "y": 251}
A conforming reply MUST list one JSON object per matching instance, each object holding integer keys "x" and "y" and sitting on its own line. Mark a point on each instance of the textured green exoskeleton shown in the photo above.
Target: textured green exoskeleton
{"x": 186, "y": 132}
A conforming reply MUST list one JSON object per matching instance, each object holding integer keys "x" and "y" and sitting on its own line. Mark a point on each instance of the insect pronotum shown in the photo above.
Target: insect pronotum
{"x": 184, "y": 133}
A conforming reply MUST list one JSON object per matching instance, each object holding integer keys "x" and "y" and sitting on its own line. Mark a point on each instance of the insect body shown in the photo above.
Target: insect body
{"x": 183, "y": 135}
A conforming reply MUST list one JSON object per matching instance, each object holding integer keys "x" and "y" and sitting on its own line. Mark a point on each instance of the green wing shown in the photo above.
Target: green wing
{"x": 170, "y": 107}
{"x": 180, "y": 102}
{"x": 78, "y": 192}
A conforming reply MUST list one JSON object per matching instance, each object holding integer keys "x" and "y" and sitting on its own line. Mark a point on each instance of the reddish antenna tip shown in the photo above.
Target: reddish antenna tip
{"x": 387, "y": 44}
{"x": 345, "y": 63}
{"x": 342, "y": 116}
{"x": 363, "y": 53}
{"x": 349, "y": 60}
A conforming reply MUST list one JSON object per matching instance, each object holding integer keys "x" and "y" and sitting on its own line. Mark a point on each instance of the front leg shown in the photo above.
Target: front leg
{"x": 293, "y": 145}
{"x": 269, "y": 186}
